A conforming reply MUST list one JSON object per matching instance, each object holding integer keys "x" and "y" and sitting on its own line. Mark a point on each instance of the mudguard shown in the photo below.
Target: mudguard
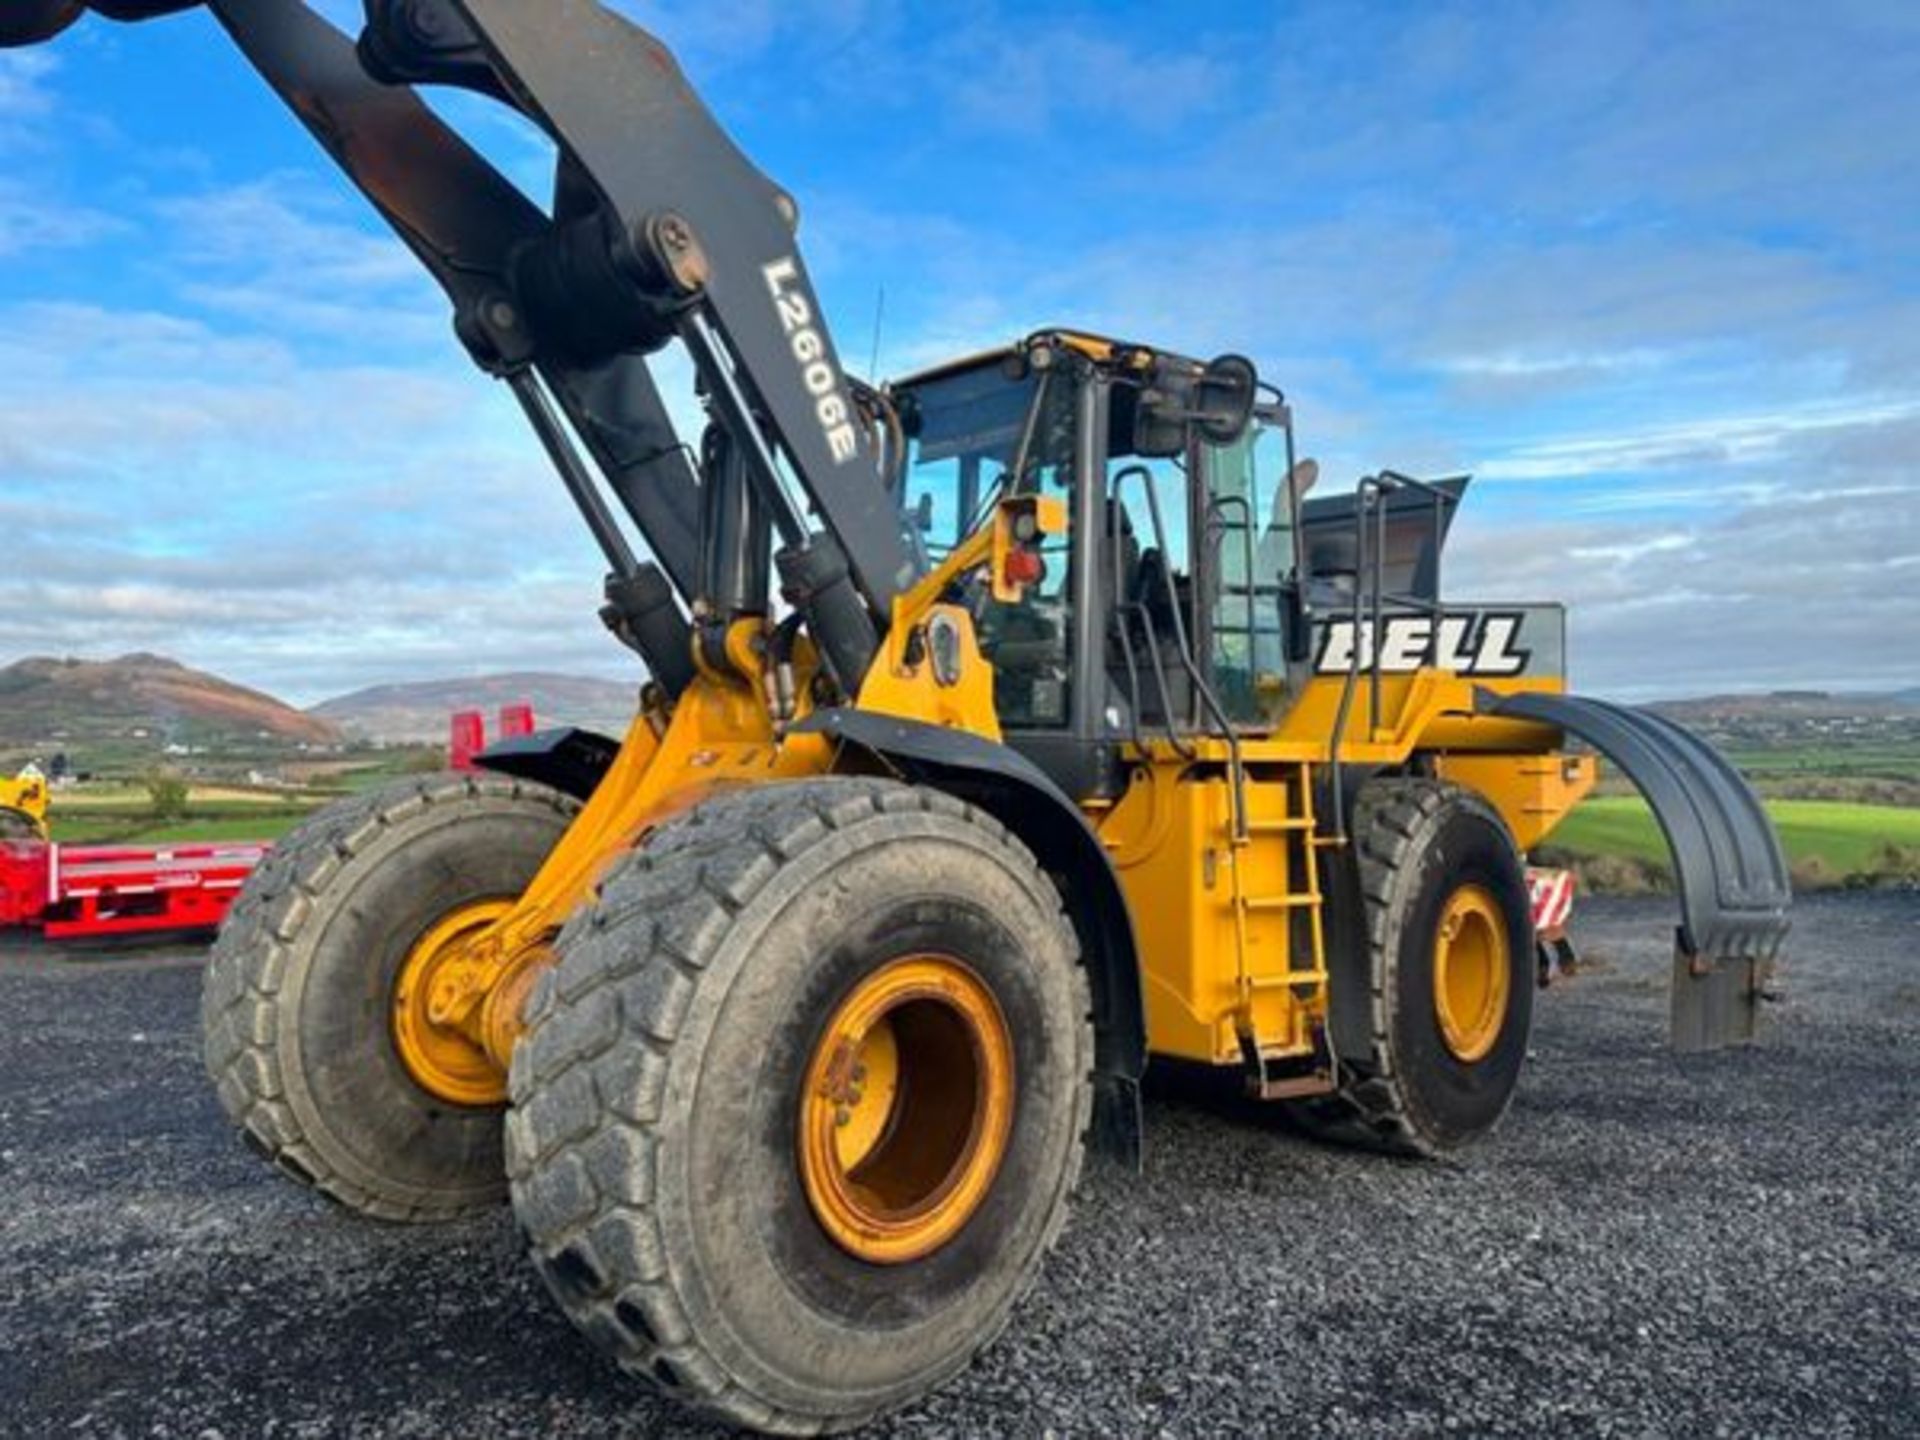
{"x": 1727, "y": 861}
{"x": 1017, "y": 793}
{"x": 571, "y": 760}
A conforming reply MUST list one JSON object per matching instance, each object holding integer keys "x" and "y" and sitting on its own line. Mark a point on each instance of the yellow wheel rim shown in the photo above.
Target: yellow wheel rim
{"x": 1472, "y": 972}
{"x": 444, "y": 1060}
{"x": 907, "y": 1109}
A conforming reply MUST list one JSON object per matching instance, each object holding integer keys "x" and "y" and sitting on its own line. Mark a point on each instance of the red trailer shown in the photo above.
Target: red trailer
{"x": 71, "y": 892}
{"x": 468, "y": 732}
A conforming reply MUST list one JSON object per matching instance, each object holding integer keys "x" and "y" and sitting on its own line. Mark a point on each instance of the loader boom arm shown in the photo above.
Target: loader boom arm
{"x": 660, "y": 229}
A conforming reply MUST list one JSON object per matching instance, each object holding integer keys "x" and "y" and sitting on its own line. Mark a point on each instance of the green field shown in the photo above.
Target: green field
{"x": 1844, "y": 838}
{"x": 108, "y": 828}
{"x": 112, "y": 813}
{"x": 1891, "y": 759}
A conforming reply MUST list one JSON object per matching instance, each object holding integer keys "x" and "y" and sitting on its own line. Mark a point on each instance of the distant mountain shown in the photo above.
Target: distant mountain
{"x": 418, "y": 711}
{"x": 1790, "y": 705}
{"x": 141, "y": 700}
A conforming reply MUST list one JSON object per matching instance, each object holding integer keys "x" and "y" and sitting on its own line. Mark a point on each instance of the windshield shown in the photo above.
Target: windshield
{"x": 964, "y": 433}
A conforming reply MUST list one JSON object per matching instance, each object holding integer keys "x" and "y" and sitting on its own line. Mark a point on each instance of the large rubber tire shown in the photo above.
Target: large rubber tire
{"x": 18, "y": 825}
{"x": 297, "y": 1004}
{"x": 1416, "y": 842}
{"x": 652, "y": 1142}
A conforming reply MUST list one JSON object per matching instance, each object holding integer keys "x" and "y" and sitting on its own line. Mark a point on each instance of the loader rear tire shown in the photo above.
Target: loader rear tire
{"x": 1438, "y": 891}
{"x": 297, "y": 1007}
{"x": 658, "y": 1141}
{"x": 18, "y": 825}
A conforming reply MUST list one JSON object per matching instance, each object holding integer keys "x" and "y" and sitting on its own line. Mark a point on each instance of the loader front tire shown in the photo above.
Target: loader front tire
{"x": 792, "y": 988}
{"x": 299, "y": 998}
{"x": 1438, "y": 920}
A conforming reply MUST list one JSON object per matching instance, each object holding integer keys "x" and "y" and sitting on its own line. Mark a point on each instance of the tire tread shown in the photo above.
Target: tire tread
{"x": 604, "y": 1261}
{"x": 1370, "y": 1110}
{"x": 248, "y": 964}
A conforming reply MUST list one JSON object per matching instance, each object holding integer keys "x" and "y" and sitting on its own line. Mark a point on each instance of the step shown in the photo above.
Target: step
{"x": 1301, "y": 901}
{"x": 1293, "y": 1087}
{"x": 1291, "y": 977}
{"x": 1292, "y": 825}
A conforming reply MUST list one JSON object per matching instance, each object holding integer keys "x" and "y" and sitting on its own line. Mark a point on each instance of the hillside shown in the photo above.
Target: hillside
{"x": 418, "y": 711}
{"x": 1782, "y": 706}
{"x": 1811, "y": 733}
{"x": 141, "y": 701}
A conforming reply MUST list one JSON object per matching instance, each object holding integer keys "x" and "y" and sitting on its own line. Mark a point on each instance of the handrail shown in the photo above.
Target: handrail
{"x": 1215, "y": 505}
{"x": 1208, "y": 699}
{"x": 1370, "y": 595}
{"x": 1122, "y": 608}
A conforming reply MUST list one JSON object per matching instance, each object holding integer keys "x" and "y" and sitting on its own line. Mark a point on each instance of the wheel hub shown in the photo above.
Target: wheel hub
{"x": 1472, "y": 972}
{"x": 443, "y": 1057}
{"x": 907, "y": 1109}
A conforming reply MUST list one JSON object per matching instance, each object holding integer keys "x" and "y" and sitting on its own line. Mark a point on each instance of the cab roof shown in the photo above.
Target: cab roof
{"x": 1101, "y": 349}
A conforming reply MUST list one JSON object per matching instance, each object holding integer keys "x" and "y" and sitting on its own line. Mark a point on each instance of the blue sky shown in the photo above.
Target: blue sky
{"x": 1651, "y": 272}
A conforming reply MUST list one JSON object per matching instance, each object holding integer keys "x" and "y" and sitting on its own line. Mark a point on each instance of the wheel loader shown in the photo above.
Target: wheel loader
{"x": 1004, "y": 725}
{"x": 23, "y": 805}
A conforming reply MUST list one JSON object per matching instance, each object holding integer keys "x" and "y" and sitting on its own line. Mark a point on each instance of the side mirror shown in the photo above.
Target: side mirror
{"x": 923, "y": 513}
{"x": 1224, "y": 398}
{"x": 1216, "y": 400}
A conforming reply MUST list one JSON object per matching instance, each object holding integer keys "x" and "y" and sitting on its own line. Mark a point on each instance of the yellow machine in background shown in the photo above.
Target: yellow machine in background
{"x": 23, "y": 805}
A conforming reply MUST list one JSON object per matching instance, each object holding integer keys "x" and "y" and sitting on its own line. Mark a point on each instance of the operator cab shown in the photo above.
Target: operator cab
{"x": 1172, "y": 605}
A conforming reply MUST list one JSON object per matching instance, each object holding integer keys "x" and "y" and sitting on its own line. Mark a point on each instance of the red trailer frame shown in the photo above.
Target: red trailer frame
{"x": 72, "y": 892}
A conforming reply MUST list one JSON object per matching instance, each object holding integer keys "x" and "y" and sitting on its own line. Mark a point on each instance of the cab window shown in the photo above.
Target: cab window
{"x": 1250, "y": 543}
{"x": 964, "y": 434}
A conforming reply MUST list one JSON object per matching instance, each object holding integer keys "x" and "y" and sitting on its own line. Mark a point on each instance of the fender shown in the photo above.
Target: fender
{"x": 569, "y": 760}
{"x": 1727, "y": 860}
{"x": 1012, "y": 789}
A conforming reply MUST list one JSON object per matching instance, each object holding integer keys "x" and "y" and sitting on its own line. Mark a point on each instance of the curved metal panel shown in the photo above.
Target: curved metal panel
{"x": 1732, "y": 874}
{"x": 571, "y": 760}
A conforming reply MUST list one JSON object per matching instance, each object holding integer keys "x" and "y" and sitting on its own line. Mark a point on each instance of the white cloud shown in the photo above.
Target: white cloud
{"x": 1735, "y": 440}
{"x": 285, "y": 258}
{"x": 1652, "y": 271}
{"x": 1510, "y": 364}
{"x": 30, "y": 221}
{"x": 23, "y": 92}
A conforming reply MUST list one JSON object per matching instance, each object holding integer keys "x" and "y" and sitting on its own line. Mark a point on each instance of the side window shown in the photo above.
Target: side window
{"x": 1030, "y": 641}
{"x": 964, "y": 432}
{"x": 942, "y": 495}
{"x": 1149, "y": 586}
{"x": 1251, "y": 551}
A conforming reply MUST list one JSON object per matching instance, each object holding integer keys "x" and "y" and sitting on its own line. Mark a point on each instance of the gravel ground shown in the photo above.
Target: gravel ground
{"x": 1650, "y": 1245}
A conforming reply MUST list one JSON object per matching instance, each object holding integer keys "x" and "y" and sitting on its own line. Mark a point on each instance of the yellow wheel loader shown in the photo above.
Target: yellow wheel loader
{"x": 23, "y": 805}
{"x": 1004, "y": 725}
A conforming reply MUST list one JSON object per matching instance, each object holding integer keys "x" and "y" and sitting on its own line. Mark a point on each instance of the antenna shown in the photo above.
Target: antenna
{"x": 879, "y": 317}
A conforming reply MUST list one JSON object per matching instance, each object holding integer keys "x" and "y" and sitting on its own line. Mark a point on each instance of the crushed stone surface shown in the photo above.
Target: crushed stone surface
{"x": 1650, "y": 1245}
